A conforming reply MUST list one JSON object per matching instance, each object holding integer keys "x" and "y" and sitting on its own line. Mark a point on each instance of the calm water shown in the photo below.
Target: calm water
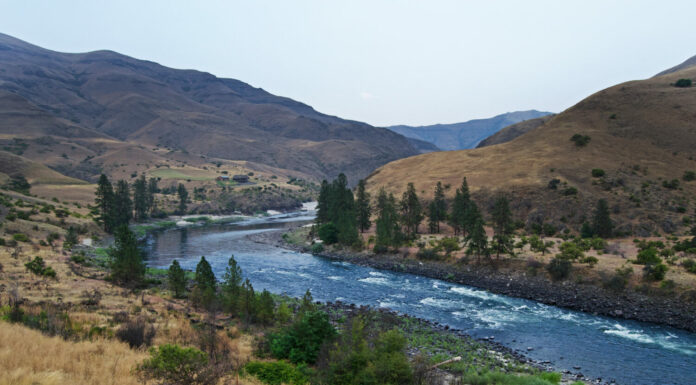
{"x": 630, "y": 352}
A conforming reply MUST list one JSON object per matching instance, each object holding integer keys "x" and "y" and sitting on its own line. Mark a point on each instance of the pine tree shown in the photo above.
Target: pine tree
{"x": 123, "y": 206}
{"x": 104, "y": 199}
{"x": 344, "y": 211}
{"x": 362, "y": 202}
{"x": 307, "y": 304}
{"x": 183, "y": 198}
{"x": 460, "y": 207}
{"x": 388, "y": 231}
{"x": 477, "y": 238}
{"x": 126, "y": 258}
{"x": 502, "y": 225}
{"x": 266, "y": 308}
{"x": 204, "y": 291}
{"x": 231, "y": 285}
{"x": 602, "y": 224}
{"x": 248, "y": 302}
{"x": 71, "y": 238}
{"x": 437, "y": 209}
{"x": 323, "y": 203}
{"x": 140, "y": 199}
{"x": 411, "y": 211}
{"x": 152, "y": 189}
{"x": 176, "y": 279}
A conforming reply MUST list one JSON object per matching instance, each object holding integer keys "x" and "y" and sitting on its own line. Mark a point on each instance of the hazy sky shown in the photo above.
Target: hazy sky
{"x": 384, "y": 61}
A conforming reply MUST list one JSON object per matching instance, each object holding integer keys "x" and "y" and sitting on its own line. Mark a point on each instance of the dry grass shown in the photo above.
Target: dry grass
{"x": 29, "y": 357}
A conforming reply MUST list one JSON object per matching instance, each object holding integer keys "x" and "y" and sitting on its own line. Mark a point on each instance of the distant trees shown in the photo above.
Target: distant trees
{"x": 231, "y": 286}
{"x": 104, "y": 199}
{"x": 183, "y": 198}
{"x": 126, "y": 258}
{"x": 205, "y": 289}
{"x": 437, "y": 209}
{"x": 580, "y": 140}
{"x": 460, "y": 207}
{"x": 141, "y": 201}
{"x": 123, "y": 205}
{"x": 411, "y": 211}
{"x": 176, "y": 279}
{"x": 363, "y": 208}
{"x": 114, "y": 207}
{"x": 502, "y": 225}
{"x": 683, "y": 83}
{"x": 602, "y": 225}
{"x": 337, "y": 218}
{"x": 388, "y": 230}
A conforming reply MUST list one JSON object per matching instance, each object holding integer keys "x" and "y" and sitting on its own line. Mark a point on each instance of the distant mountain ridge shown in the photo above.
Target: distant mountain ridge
{"x": 104, "y": 93}
{"x": 514, "y": 130}
{"x": 465, "y": 135}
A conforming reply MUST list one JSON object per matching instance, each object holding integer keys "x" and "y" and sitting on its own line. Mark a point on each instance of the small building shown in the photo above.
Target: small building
{"x": 223, "y": 178}
{"x": 241, "y": 178}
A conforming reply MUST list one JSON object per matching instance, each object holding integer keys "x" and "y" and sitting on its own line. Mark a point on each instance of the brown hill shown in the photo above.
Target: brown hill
{"x": 514, "y": 130}
{"x": 133, "y": 100}
{"x": 642, "y": 134}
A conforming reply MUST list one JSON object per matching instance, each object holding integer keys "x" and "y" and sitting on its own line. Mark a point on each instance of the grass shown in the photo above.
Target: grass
{"x": 142, "y": 230}
{"x": 497, "y": 378}
{"x": 181, "y": 174}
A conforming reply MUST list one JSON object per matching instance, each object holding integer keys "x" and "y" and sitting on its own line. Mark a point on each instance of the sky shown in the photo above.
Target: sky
{"x": 384, "y": 62}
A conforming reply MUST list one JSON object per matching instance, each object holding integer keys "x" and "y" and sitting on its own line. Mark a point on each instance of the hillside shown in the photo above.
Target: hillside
{"x": 514, "y": 130}
{"x": 106, "y": 96}
{"x": 641, "y": 134}
{"x": 460, "y": 136}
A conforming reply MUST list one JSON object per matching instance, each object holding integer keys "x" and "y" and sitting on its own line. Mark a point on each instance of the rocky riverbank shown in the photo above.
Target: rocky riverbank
{"x": 567, "y": 294}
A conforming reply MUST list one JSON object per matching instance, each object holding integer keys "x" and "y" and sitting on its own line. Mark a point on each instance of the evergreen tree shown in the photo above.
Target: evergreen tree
{"x": 477, "y": 238}
{"x": 602, "y": 224}
{"x": 307, "y": 304}
{"x": 266, "y": 308}
{"x": 204, "y": 291}
{"x": 323, "y": 203}
{"x": 126, "y": 258}
{"x": 183, "y": 198}
{"x": 437, "y": 209}
{"x": 343, "y": 210}
{"x": 71, "y": 238}
{"x": 248, "y": 305}
{"x": 460, "y": 207}
{"x": 363, "y": 207}
{"x": 123, "y": 206}
{"x": 140, "y": 198}
{"x": 176, "y": 279}
{"x": 502, "y": 226}
{"x": 388, "y": 231}
{"x": 231, "y": 285}
{"x": 104, "y": 200}
{"x": 411, "y": 211}
{"x": 152, "y": 189}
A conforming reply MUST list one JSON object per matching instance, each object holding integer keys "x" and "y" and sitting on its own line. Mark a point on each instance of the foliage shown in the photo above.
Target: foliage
{"x": 590, "y": 260}
{"x": 502, "y": 226}
{"x": 571, "y": 251}
{"x": 266, "y": 308}
{"x": 497, "y": 378}
{"x": 328, "y": 233}
{"x": 317, "y": 248}
{"x": 20, "y": 237}
{"x": 300, "y": 342}
{"x": 437, "y": 209}
{"x": 602, "y": 224}
{"x": 477, "y": 238}
{"x": 648, "y": 256}
{"x": 580, "y": 140}
{"x": 683, "y": 83}
{"x": 172, "y": 364}
{"x": 136, "y": 333}
{"x": 19, "y": 183}
{"x": 388, "y": 231}
{"x": 183, "y": 195}
{"x": 597, "y": 173}
{"x": 689, "y": 176}
{"x": 362, "y": 207}
{"x": 449, "y": 244}
{"x": 126, "y": 258}
{"x": 277, "y": 373}
{"x": 231, "y": 286}
{"x": 411, "y": 211}
{"x": 619, "y": 280}
{"x": 70, "y": 238}
{"x": 689, "y": 265}
{"x": 38, "y": 267}
{"x": 336, "y": 206}
{"x": 655, "y": 272}
{"x": 176, "y": 279}
{"x": 559, "y": 268}
{"x": 122, "y": 205}
{"x": 460, "y": 206}
{"x": 205, "y": 285}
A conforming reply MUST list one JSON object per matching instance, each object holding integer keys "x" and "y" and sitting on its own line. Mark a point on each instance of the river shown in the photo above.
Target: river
{"x": 629, "y": 352}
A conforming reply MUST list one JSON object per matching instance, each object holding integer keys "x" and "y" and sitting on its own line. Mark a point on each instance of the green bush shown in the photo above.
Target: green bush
{"x": 301, "y": 341}
{"x": 559, "y": 268}
{"x": 690, "y": 265}
{"x": 580, "y": 140}
{"x": 277, "y": 373}
{"x": 19, "y": 237}
{"x": 683, "y": 83}
{"x": 648, "y": 256}
{"x": 549, "y": 230}
{"x": 328, "y": 233}
{"x": 619, "y": 280}
{"x": 598, "y": 172}
{"x": 590, "y": 260}
{"x": 38, "y": 267}
{"x": 450, "y": 244}
{"x": 672, "y": 184}
{"x": 655, "y": 272}
{"x": 689, "y": 176}
{"x": 317, "y": 248}
{"x": 428, "y": 254}
{"x": 568, "y": 191}
{"x": 172, "y": 364}
{"x": 496, "y": 378}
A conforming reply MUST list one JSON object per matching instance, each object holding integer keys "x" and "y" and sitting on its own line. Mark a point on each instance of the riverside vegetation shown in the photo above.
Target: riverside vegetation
{"x": 102, "y": 314}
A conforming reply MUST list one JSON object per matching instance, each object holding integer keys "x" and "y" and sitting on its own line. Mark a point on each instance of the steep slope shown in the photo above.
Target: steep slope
{"x": 460, "y": 136}
{"x": 422, "y": 146}
{"x": 514, "y": 130}
{"x": 690, "y": 62}
{"x": 642, "y": 134}
{"x": 139, "y": 101}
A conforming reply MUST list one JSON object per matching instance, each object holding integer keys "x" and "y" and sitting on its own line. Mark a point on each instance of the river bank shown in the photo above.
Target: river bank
{"x": 567, "y": 294}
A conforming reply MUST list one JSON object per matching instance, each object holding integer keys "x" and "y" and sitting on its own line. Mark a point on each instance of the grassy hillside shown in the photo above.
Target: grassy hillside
{"x": 641, "y": 134}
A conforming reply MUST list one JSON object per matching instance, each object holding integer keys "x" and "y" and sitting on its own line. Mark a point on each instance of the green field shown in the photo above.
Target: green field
{"x": 168, "y": 173}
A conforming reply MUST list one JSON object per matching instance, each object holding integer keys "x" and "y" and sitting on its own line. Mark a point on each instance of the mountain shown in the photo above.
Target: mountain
{"x": 107, "y": 97}
{"x": 639, "y": 134}
{"x": 460, "y": 136}
{"x": 690, "y": 62}
{"x": 422, "y": 146}
{"x": 514, "y": 130}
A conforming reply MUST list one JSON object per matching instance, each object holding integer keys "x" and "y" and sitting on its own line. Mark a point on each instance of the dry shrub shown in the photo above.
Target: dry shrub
{"x": 136, "y": 333}
{"x": 29, "y": 357}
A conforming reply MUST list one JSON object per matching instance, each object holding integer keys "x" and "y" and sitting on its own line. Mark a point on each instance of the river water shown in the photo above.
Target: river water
{"x": 629, "y": 352}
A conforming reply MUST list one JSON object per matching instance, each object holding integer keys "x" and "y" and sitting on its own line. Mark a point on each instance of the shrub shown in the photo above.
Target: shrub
{"x": 428, "y": 254}
{"x": 136, "y": 333}
{"x": 655, "y": 272}
{"x": 300, "y": 342}
{"x": 277, "y": 373}
{"x": 172, "y": 364}
{"x": 672, "y": 184}
{"x": 619, "y": 280}
{"x": 568, "y": 191}
{"x": 328, "y": 233}
{"x": 553, "y": 184}
{"x": 317, "y": 248}
{"x": 497, "y": 378}
{"x": 19, "y": 237}
{"x": 2, "y": 241}
{"x": 559, "y": 268}
{"x": 590, "y": 260}
{"x": 690, "y": 265}
{"x": 450, "y": 244}
{"x": 580, "y": 140}
{"x": 683, "y": 83}
{"x": 689, "y": 176}
{"x": 38, "y": 267}
{"x": 598, "y": 172}
{"x": 380, "y": 249}
{"x": 549, "y": 230}
{"x": 571, "y": 251}
{"x": 648, "y": 256}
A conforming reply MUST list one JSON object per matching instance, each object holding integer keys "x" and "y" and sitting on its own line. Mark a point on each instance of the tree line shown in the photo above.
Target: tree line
{"x": 116, "y": 206}
{"x": 342, "y": 215}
